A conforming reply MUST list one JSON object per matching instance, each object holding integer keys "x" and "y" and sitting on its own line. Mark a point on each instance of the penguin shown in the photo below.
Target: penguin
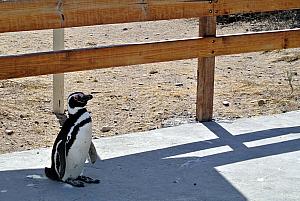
{"x": 73, "y": 144}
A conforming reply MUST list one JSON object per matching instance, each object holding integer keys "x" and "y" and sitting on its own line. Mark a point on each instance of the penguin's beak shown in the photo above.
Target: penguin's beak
{"x": 86, "y": 98}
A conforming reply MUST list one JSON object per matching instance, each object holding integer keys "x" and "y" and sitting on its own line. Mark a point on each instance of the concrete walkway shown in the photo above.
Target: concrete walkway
{"x": 249, "y": 159}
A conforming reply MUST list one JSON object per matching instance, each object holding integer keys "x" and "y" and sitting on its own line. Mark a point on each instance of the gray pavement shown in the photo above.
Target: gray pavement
{"x": 248, "y": 159}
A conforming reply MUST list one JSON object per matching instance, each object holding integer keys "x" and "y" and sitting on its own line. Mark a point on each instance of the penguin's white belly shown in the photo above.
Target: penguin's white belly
{"x": 78, "y": 152}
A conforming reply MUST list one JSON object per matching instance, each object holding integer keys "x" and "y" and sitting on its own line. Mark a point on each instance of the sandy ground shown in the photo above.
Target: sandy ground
{"x": 142, "y": 97}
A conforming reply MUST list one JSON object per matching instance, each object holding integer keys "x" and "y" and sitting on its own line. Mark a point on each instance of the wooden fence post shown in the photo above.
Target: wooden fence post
{"x": 58, "y": 79}
{"x": 206, "y": 70}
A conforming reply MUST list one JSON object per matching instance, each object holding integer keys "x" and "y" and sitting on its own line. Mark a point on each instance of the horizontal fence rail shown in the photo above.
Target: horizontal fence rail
{"x": 226, "y": 7}
{"x": 24, "y": 15}
{"x": 25, "y": 65}
{"x": 51, "y": 14}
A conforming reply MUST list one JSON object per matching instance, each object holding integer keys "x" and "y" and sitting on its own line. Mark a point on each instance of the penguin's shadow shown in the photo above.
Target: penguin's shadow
{"x": 61, "y": 118}
{"x": 156, "y": 175}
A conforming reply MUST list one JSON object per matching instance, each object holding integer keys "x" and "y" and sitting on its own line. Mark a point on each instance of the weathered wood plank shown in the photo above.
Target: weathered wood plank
{"x": 26, "y": 15}
{"x": 104, "y": 57}
{"x": 254, "y": 42}
{"x": 226, "y": 7}
{"x": 58, "y": 79}
{"x": 93, "y": 58}
{"x": 20, "y": 15}
{"x": 205, "y": 74}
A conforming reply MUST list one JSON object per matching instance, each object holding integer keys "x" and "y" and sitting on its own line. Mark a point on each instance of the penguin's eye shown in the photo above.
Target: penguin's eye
{"x": 78, "y": 97}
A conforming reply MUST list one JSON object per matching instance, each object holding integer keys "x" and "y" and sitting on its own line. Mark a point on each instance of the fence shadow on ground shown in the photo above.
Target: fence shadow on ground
{"x": 156, "y": 175}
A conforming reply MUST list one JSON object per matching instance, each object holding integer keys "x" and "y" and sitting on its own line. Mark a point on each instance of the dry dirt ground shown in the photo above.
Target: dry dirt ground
{"x": 142, "y": 97}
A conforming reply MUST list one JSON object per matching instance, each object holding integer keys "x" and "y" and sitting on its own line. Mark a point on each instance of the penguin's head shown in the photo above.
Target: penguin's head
{"x": 77, "y": 101}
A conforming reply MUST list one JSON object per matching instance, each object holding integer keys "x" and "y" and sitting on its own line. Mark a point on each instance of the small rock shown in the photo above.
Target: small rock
{"x": 179, "y": 84}
{"x": 152, "y": 128}
{"x": 125, "y": 29}
{"x": 125, "y": 109}
{"x": 261, "y": 102}
{"x": 95, "y": 92}
{"x": 91, "y": 43}
{"x": 153, "y": 72}
{"x": 9, "y": 132}
{"x": 106, "y": 128}
{"x": 226, "y": 103}
{"x": 160, "y": 112}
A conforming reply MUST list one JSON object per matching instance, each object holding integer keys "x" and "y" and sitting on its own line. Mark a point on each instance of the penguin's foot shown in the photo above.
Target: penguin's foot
{"x": 75, "y": 182}
{"x": 88, "y": 180}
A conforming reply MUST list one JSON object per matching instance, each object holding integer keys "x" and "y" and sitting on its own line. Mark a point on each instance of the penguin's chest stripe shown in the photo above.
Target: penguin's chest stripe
{"x": 81, "y": 117}
{"x": 73, "y": 133}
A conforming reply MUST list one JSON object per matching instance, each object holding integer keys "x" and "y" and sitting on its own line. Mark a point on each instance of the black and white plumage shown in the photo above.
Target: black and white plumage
{"x": 73, "y": 144}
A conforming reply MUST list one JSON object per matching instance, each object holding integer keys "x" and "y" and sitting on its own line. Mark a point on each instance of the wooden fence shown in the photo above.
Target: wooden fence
{"x": 24, "y": 15}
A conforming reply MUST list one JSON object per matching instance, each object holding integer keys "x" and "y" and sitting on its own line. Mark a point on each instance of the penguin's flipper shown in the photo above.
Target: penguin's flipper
{"x": 60, "y": 159}
{"x": 93, "y": 153}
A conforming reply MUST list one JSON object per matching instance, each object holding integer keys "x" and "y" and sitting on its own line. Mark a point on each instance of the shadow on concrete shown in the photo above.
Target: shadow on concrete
{"x": 155, "y": 175}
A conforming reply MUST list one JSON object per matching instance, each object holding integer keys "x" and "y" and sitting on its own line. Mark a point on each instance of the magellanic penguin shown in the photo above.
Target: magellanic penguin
{"x": 73, "y": 144}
